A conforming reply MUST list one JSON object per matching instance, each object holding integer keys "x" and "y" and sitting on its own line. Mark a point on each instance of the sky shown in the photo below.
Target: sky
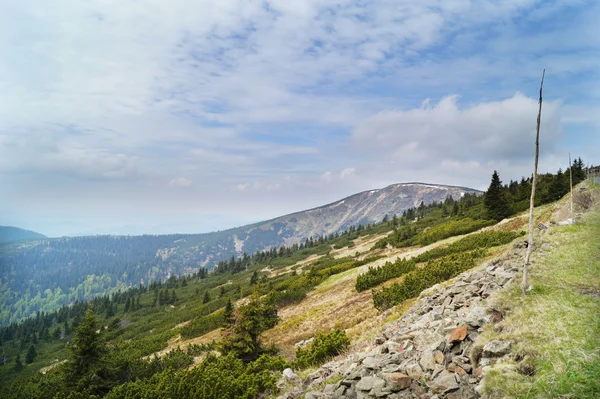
{"x": 131, "y": 117}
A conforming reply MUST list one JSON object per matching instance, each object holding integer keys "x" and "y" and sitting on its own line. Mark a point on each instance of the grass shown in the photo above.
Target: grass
{"x": 556, "y": 327}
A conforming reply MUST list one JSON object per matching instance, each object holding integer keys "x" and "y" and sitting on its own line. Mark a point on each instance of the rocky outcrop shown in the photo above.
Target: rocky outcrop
{"x": 428, "y": 352}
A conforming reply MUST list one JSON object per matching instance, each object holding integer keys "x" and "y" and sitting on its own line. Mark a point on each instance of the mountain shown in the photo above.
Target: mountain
{"x": 363, "y": 208}
{"x": 12, "y": 234}
{"x": 43, "y": 274}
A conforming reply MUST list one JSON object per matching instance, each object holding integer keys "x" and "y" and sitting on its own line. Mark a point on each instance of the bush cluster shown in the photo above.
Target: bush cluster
{"x": 323, "y": 347}
{"x": 434, "y": 272}
{"x": 377, "y": 275}
{"x": 479, "y": 241}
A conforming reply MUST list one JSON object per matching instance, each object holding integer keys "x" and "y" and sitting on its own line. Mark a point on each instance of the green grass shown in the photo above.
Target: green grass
{"x": 556, "y": 327}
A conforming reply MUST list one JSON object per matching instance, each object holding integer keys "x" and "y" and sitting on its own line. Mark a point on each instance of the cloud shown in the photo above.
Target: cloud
{"x": 446, "y": 131}
{"x": 347, "y": 173}
{"x": 180, "y": 182}
{"x": 115, "y": 98}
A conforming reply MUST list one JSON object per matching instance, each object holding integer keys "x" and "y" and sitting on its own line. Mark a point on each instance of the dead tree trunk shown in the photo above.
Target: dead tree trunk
{"x": 571, "y": 184}
{"x": 532, "y": 200}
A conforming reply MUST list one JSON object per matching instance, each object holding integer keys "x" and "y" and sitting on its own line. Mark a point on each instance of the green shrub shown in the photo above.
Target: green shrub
{"x": 377, "y": 275}
{"x": 436, "y": 271}
{"x": 479, "y": 241}
{"x": 323, "y": 347}
{"x": 450, "y": 229}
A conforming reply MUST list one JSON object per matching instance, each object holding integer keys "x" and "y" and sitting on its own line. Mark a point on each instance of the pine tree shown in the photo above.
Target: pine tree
{"x": 18, "y": 364}
{"x": 254, "y": 278}
{"x": 253, "y": 318}
{"x": 127, "y": 305}
{"x": 228, "y": 314}
{"x": 31, "y": 354}
{"x": 87, "y": 348}
{"x": 206, "y": 298}
{"x": 495, "y": 200}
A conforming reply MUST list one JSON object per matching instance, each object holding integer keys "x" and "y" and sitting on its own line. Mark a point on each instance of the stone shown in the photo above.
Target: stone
{"x": 329, "y": 388}
{"x": 289, "y": 374}
{"x": 368, "y": 383}
{"x": 313, "y": 395}
{"x": 379, "y": 340}
{"x": 414, "y": 370}
{"x": 396, "y": 381}
{"x": 439, "y": 357}
{"x": 458, "y": 334}
{"x": 463, "y": 362}
{"x": 444, "y": 383}
{"x": 427, "y": 361}
{"x": 339, "y": 393}
{"x": 372, "y": 363}
{"x": 496, "y": 348}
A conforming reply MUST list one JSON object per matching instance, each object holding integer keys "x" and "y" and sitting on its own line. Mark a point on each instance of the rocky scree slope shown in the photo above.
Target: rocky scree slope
{"x": 430, "y": 352}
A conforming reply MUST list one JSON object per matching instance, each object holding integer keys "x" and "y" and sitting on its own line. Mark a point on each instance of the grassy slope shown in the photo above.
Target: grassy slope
{"x": 556, "y": 327}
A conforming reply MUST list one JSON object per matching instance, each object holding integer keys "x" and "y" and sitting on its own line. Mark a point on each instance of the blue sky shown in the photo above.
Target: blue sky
{"x": 191, "y": 116}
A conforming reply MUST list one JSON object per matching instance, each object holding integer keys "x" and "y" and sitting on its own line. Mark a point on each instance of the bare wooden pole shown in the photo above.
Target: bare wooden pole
{"x": 532, "y": 200}
{"x": 571, "y": 184}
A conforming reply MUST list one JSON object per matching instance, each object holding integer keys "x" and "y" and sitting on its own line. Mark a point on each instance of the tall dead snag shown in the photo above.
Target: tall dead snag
{"x": 571, "y": 184}
{"x": 532, "y": 201}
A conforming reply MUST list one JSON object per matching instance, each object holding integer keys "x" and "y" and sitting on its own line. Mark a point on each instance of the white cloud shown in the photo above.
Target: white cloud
{"x": 180, "y": 182}
{"x": 347, "y": 173}
{"x": 327, "y": 177}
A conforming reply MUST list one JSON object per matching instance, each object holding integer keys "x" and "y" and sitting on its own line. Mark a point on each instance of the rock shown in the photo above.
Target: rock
{"x": 339, "y": 393}
{"x": 414, "y": 370}
{"x": 496, "y": 348}
{"x": 379, "y": 340}
{"x": 444, "y": 383}
{"x": 439, "y": 357}
{"x": 458, "y": 334}
{"x": 368, "y": 383}
{"x": 372, "y": 363}
{"x": 313, "y": 395}
{"x": 427, "y": 360}
{"x": 290, "y": 375}
{"x": 396, "y": 381}
{"x": 463, "y": 362}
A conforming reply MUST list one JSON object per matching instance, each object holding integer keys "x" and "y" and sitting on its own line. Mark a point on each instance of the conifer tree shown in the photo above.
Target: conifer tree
{"x": 228, "y": 314}
{"x": 18, "y": 364}
{"x": 206, "y": 298}
{"x": 254, "y": 278}
{"x": 495, "y": 200}
{"x": 31, "y": 354}
{"x": 87, "y": 348}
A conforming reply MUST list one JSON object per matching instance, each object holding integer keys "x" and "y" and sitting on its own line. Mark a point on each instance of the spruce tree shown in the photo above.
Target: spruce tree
{"x": 87, "y": 348}
{"x": 206, "y": 298}
{"x": 495, "y": 200}
{"x": 31, "y": 354}
{"x": 18, "y": 364}
{"x": 228, "y": 314}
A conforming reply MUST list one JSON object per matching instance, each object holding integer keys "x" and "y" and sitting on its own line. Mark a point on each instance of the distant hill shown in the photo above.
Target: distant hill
{"x": 12, "y": 234}
{"x": 65, "y": 269}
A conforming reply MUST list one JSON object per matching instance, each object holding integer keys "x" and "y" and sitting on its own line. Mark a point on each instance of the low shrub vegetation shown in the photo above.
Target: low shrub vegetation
{"x": 323, "y": 347}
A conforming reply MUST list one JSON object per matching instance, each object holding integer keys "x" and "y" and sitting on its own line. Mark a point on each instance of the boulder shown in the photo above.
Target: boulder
{"x": 371, "y": 382}
{"x": 496, "y": 348}
{"x": 459, "y": 334}
{"x": 396, "y": 381}
{"x": 289, "y": 374}
{"x": 372, "y": 363}
{"x": 444, "y": 383}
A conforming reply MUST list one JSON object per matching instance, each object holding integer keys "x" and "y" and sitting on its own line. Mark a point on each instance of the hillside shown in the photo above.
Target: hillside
{"x": 348, "y": 283}
{"x": 11, "y": 234}
{"x": 43, "y": 274}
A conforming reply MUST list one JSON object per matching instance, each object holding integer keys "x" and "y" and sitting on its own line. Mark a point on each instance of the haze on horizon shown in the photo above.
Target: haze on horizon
{"x": 184, "y": 116}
